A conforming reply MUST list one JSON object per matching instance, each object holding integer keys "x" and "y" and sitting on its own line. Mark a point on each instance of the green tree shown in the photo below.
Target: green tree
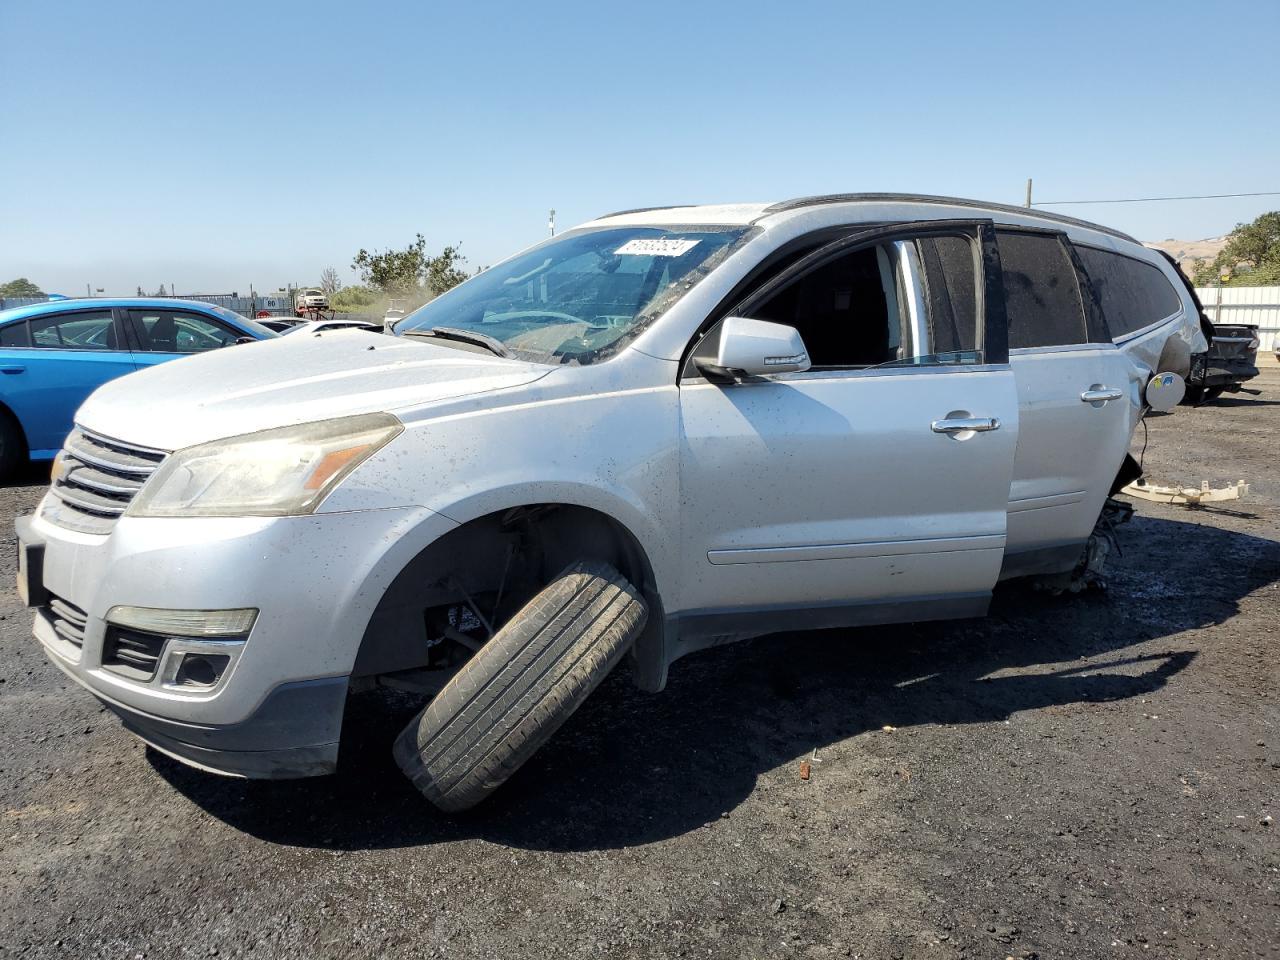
{"x": 22, "y": 287}
{"x": 444, "y": 271}
{"x": 1251, "y": 254}
{"x": 411, "y": 272}
{"x": 393, "y": 271}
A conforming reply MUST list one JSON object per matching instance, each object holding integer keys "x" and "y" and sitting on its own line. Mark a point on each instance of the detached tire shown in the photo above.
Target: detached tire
{"x": 521, "y": 686}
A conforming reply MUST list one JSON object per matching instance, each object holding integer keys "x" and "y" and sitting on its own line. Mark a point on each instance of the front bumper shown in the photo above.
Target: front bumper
{"x": 315, "y": 581}
{"x": 293, "y": 734}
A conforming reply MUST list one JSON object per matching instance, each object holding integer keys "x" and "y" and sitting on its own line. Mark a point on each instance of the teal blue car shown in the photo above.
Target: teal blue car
{"x": 53, "y": 355}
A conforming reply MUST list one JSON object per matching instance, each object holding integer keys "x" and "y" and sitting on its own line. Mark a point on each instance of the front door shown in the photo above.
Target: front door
{"x": 169, "y": 334}
{"x": 859, "y": 490}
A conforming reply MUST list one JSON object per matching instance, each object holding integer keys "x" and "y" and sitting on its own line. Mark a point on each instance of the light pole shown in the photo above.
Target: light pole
{"x": 551, "y": 222}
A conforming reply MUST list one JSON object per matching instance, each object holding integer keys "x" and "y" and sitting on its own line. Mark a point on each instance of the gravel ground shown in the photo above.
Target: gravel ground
{"x": 1087, "y": 776}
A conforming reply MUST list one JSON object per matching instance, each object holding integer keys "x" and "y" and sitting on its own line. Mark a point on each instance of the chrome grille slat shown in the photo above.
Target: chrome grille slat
{"x": 88, "y": 502}
{"x": 68, "y": 611}
{"x": 68, "y": 621}
{"x": 132, "y": 653}
{"x": 100, "y": 476}
{"x": 100, "y": 481}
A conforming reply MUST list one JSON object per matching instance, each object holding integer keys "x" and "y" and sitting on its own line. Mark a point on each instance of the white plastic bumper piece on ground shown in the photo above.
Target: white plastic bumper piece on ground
{"x": 1190, "y": 496}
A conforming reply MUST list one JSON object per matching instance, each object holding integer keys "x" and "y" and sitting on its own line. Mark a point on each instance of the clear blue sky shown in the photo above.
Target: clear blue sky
{"x": 214, "y": 145}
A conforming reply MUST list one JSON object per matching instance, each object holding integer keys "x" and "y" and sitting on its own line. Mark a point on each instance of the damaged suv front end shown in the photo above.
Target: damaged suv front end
{"x": 147, "y": 570}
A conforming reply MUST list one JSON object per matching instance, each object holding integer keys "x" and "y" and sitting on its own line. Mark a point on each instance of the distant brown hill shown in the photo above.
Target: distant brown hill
{"x": 1187, "y": 252}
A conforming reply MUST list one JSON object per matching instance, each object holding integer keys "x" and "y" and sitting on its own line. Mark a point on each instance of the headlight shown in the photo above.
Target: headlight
{"x": 274, "y": 473}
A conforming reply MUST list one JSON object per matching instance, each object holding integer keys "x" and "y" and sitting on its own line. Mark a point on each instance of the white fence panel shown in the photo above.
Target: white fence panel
{"x": 1257, "y": 305}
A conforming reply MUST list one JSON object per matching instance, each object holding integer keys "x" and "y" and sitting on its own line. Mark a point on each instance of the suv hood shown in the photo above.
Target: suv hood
{"x": 286, "y": 380}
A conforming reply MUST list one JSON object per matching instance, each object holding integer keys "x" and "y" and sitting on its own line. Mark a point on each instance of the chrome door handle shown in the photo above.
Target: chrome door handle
{"x": 1098, "y": 395}
{"x": 955, "y": 425}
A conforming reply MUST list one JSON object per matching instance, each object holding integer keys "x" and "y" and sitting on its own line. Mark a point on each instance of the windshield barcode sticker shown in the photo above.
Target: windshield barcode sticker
{"x": 656, "y": 247}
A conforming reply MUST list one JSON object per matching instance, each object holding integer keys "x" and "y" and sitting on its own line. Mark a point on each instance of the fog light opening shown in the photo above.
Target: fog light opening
{"x": 201, "y": 669}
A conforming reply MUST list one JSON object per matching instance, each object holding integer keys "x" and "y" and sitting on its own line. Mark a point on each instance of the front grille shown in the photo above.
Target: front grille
{"x": 68, "y": 620}
{"x": 99, "y": 478}
{"x": 132, "y": 653}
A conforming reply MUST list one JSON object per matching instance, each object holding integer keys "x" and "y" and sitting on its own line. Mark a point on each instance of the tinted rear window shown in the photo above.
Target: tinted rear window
{"x": 1132, "y": 294}
{"x": 1041, "y": 290}
{"x": 15, "y": 335}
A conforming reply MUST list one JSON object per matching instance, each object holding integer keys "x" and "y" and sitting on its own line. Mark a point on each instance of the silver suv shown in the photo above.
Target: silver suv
{"x": 659, "y": 431}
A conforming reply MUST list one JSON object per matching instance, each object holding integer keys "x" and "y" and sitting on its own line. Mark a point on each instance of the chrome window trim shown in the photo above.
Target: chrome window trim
{"x": 1143, "y": 331}
{"x": 1062, "y": 348}
{"x": 868, "y": 372}
{"x": 917, "y": 311}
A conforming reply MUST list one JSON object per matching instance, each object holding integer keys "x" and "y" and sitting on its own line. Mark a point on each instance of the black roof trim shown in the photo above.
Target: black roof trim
{"x": 800, "y": 202}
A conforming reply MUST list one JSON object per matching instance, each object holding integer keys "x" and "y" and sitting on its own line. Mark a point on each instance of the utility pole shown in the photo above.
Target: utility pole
{"x": 551, "y": 222}
{"x": 1028, "y": 191}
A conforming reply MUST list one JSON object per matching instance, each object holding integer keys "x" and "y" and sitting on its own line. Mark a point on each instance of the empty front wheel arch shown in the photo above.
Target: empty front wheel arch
{"x": 519, "y": 688}
{"x": 493, "y": 565}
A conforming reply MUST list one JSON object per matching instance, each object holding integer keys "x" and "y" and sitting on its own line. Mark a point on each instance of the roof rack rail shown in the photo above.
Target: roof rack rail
{"x": 665, "y": 206}
{"x": 951, "y": 201}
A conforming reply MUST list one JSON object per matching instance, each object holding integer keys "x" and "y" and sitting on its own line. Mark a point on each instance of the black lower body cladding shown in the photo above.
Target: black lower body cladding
{"x": 521, "y": 686}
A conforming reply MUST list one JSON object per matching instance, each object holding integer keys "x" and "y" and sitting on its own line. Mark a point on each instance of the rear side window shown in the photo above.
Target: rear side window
{"x": 1132, "y": 294}
{"x": 1041, "y": 290}
{"x": 15, "y": 335}
{"x": 90, "y": 330}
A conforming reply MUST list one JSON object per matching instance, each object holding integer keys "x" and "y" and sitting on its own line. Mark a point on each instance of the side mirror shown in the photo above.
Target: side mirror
{"x": 755, "y": 348}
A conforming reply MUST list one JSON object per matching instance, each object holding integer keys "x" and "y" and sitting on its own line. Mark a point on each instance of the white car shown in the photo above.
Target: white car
{"x": 311, "y": 300}
{"x": 325, "y": 326}
{"x": 659, "y": 431}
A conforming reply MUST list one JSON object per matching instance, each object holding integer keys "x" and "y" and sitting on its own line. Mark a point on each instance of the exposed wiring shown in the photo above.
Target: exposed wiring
{"x": 1145, "y": 437}
{"x": 1205, "y": 196}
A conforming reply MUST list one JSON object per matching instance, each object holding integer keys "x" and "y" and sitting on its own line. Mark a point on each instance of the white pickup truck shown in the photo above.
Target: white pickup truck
{"x": 656, "y": 432}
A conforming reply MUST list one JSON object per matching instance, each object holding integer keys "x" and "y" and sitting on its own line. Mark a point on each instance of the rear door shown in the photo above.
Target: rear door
{"x": 1077, "y": 396}
{"x": 872, "y": 487}
{"x": 50, "y": 368}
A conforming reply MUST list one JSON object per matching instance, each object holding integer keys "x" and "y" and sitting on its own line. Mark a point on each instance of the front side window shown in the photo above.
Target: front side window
{"x": 1132, "y": 294}
{"x": 1042, "y": 292}
{"x": 848, "y": 310}
{"x": 906, "y": 302}
{"x": 951, "y": 292}
{"x": 171, "y": 331}
{"x": 579, "y": 297}
{"x": 90, "y": 330}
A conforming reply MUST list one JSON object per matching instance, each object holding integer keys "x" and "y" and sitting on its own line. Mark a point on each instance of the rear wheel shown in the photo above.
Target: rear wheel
{"x": 517, "y": 690}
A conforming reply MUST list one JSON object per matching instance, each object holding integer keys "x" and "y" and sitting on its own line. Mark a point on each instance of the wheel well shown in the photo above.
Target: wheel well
{"x": 494, "y": 564}
{"x": 8, "y": 414}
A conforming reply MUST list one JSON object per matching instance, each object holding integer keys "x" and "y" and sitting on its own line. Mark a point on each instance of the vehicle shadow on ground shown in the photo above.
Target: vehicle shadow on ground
{"x": 28, "y": 473}
{"x": 1227, "y": 402}
{"x": 631, "y": 768}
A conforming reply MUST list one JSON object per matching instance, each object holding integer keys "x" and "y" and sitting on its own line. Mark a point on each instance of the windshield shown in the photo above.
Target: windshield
{"x": 253, "y": 325}
{"x": 580, "y": 296}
